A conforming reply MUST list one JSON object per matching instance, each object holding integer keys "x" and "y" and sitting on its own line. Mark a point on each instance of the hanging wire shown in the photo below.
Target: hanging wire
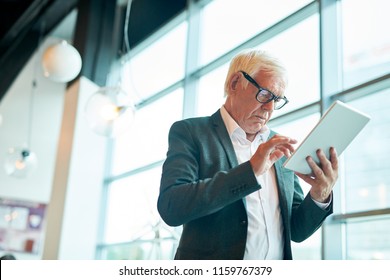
{"x": 20, "y": 161}
{"x": 34, "y": 85}
{"x": 126, "y": 28}
{"x": 125, "y": 50}
{"x": 126, "y": 54}
{"x": 31, "y": 109}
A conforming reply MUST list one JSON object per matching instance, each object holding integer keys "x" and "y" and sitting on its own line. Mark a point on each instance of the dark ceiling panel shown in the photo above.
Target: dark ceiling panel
{"x": 21, "y": 38}
{"x": 10, "y": 12}
{"x": 23, "y": 24}
{"x": 146, "y": 16}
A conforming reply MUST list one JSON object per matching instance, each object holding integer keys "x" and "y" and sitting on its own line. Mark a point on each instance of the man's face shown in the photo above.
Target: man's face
{"x": 241, "y": 103}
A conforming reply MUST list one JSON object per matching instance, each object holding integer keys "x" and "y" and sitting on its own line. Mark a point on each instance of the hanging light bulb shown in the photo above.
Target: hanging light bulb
{"x": 20, "y": 162}
{"x": 109, "y": 111}
{"x": 61, "y": 62}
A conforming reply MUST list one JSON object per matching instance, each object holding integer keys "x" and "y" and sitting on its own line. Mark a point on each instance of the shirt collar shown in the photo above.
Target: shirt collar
{"x": 234, "y": 129}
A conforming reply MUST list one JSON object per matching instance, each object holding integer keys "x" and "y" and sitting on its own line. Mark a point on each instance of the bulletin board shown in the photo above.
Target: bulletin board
{"x": 21, "y": 226}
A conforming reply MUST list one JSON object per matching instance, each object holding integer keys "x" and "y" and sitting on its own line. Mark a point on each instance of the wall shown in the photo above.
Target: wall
{"x": 74, "y": 209}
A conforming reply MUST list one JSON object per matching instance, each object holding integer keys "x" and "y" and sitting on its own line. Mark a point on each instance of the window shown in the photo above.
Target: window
{"x": 227, "y": 23}
{"x": 366, "y": 40}
{"x": 134, "y": 229}
{"x": 135, "y": 196}
{"x": 139, "y": 147}
{"x": 367, "y": 178}
{"x": 211, "y": 93}
{"x": 298, "y": 49}
{"x": 158, "y": 66}
{"x": 368, "y": 239}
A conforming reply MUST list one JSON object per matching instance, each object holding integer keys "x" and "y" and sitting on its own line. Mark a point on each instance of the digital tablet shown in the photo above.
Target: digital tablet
{"x": 337, "y": 128}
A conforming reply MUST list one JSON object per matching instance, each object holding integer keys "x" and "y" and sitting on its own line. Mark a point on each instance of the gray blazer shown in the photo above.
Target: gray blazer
{"x": 203, "y": 186}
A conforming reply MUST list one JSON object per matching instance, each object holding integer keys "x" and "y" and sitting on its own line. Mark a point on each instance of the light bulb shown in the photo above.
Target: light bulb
{"x": 61, "y": 62}
{"x": 20, "y": 162}
{"x": 109, "y": 111}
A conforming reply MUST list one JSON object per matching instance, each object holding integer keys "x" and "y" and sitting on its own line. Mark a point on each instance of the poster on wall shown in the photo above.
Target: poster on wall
{"x": 21, "y": 226}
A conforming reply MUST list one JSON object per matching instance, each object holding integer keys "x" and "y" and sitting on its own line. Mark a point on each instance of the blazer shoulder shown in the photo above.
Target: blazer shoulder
{"x": 200, "y": 121}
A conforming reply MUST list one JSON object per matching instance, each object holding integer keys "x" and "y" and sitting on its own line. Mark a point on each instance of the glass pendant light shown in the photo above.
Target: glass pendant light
{"x": 20, "y": 162}
{"x": 109, "y": 111}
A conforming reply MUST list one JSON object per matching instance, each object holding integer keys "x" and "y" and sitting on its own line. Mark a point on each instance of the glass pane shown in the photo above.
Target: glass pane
{"x": 366, "y": 40}
{"x": 158, "y": 66}
{"x": 310, "y": 249}
{"x": 132, "y": 207}
{"x": 368, "y": 240}
{"x": 301, "y": 59}
{"x": 227, "y": 23}
{"x": 147, "y": 140}
{"x": 367, "y": 176}
{"x": 211, "y": 94}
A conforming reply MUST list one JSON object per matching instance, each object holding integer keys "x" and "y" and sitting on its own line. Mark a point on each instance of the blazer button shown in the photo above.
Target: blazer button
{"x": 243, "y": 223}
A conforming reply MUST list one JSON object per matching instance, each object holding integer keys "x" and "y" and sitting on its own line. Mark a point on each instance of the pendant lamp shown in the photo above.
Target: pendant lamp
{"x": 20, "y": 162}
{"x": 109, "y": 111}
{"x": 61, "y": 62}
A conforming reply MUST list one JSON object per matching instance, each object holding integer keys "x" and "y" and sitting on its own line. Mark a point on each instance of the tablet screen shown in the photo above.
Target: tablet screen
{"x": 337, "y": 128}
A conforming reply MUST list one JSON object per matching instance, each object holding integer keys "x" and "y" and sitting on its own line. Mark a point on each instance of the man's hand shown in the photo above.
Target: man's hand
{"x": 271, "y": 151}
{"x": 323, "y": 177}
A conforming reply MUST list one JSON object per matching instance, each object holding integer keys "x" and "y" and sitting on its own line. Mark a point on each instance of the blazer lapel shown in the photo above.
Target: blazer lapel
{"x": 224, "y": 138}
{"x": 281, "y": 184}
{"x": 281, "y": 187}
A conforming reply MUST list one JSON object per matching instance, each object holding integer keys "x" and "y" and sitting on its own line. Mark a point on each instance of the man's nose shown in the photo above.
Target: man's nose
{"x": 269, "y": 106}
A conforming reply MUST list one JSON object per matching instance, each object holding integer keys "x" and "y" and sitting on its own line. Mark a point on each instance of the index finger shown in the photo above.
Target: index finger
{"x": 280, "y": 139}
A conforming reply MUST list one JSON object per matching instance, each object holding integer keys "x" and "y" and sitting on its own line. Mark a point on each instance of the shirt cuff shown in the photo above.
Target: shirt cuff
{"x": 322, "y": 205}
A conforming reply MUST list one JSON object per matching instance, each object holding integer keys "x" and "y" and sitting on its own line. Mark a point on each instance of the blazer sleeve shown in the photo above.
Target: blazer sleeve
{"x": 197, "y": 179}
{"x": 306, "y": 217}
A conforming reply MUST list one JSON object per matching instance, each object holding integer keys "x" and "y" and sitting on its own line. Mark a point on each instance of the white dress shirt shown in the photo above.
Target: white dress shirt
{"x": 265, "y": 239}
{"x": 265, "y": 229}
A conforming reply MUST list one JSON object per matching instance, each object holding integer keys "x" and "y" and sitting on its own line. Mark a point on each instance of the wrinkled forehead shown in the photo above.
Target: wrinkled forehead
{"x": 271, "y": 81}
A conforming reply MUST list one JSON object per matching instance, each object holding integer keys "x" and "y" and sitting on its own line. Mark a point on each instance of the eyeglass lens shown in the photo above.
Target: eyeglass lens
{"x": 264, "y": 96}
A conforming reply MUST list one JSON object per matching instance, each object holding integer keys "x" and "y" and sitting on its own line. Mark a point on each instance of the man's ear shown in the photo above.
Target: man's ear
{"x": 234, "y": 82}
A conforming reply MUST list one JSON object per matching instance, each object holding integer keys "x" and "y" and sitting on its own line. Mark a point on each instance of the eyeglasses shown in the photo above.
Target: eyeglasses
{"x": 264, "y": 95}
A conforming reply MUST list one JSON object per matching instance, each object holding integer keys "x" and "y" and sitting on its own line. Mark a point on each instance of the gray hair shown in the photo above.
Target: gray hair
{"x": 254, "y": 61}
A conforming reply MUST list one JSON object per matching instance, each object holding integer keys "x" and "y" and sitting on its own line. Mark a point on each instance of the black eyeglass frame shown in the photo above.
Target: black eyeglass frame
{"x": 273, "y": 96}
